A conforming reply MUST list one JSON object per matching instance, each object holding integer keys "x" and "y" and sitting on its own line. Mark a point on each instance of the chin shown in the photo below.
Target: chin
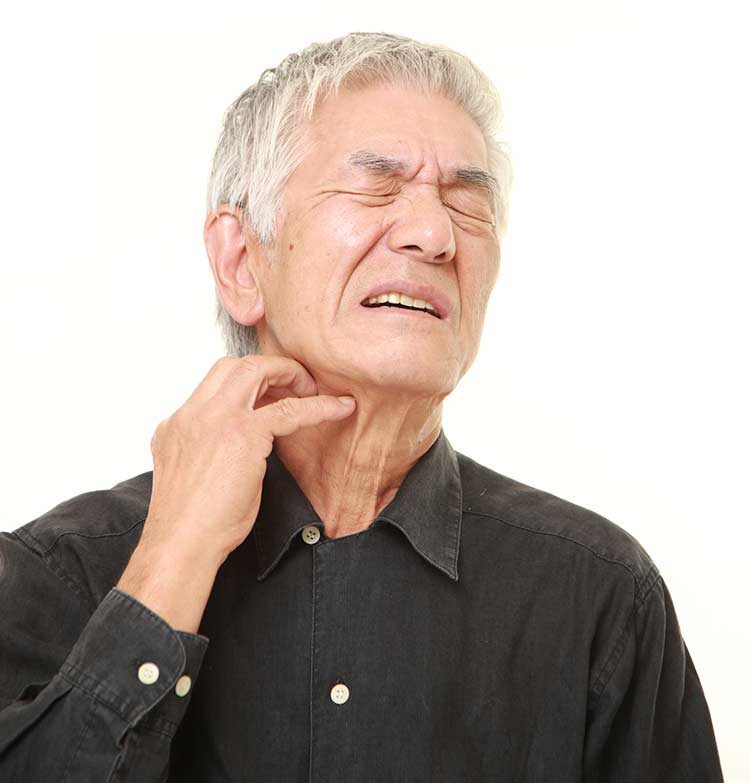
{"x": 405, "y": 375}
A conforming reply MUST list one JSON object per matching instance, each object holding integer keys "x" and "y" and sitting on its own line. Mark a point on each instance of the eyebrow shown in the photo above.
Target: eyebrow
{"x": 382, "y": 164}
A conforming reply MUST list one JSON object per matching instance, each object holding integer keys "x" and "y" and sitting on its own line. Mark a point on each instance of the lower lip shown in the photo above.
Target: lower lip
{"x": 423, "y": 314}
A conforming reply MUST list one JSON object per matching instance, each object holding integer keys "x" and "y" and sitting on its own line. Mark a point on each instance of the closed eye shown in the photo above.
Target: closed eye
{"x": 368, "y": 195}
{"x": 381, "y": 196}
{"x": 466, "y": 214}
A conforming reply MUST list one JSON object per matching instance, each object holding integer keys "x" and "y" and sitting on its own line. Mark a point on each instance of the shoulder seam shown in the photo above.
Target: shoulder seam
{"x": 53, "y": 564}
{"x": 53, "y": 567}
{"x": 44, "y": 552}
{"x": 640, "y": 588}
{"x": 615, "y": 656}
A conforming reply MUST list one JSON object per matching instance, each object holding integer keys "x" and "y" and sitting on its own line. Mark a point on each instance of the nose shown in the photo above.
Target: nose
{"x": 424, "y": 229}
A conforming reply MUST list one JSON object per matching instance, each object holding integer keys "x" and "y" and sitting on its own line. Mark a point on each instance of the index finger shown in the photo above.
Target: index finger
{"x": 223, "y": 367}
{"x": 252, "y": 376}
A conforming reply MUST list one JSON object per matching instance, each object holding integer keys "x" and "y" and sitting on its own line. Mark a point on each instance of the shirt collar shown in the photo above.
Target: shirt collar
{"x": 426, "y": 508}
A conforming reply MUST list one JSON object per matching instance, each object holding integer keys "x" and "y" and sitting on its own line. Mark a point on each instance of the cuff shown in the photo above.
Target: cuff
{"x": 133, "y": 661}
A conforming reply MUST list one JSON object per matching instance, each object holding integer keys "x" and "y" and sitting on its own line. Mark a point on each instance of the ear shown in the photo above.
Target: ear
{"x": 233, "y": 261}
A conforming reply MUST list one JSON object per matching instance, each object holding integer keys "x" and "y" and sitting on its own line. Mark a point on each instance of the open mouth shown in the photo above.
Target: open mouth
{"x": 403, "y": 307}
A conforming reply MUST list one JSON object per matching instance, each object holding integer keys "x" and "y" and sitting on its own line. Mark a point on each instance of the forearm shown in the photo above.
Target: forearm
{"x": 172, "y": 581}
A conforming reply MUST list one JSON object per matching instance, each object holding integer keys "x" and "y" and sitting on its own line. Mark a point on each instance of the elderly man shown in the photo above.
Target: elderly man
{"x": 312, "y": 584}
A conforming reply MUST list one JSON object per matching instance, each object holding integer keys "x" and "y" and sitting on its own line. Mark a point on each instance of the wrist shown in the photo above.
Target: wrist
{"x": 172, "y": 582}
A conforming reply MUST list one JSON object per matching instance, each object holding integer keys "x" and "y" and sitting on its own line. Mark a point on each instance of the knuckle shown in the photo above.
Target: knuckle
{"x": 179, "y": 418}
{"x": 158, "y": 434}
{"x": 286, "y": 407}
{"x": 251, "y": 363}
{"x": 223, "y": 362}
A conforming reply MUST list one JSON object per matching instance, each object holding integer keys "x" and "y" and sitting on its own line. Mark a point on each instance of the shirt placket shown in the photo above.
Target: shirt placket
{"x": 332, "y": 679}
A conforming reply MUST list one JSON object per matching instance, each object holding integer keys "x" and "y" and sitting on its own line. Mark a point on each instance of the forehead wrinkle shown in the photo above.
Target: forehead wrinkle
{"x": 375, "y": 163}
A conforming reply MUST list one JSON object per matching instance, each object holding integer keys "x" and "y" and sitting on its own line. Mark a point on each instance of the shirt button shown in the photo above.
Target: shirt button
{"x": 339, "y": 693}
{"x": 148, "y": 673}
{"x": 311, "y": 534}
{"x": 183, "y": 685}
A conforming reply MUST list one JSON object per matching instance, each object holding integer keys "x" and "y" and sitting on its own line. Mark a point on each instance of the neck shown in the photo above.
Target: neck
{"x": 350, "y": 470}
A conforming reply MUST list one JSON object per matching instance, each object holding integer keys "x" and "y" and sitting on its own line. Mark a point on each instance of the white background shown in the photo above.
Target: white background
{"x": 613, "y": 368}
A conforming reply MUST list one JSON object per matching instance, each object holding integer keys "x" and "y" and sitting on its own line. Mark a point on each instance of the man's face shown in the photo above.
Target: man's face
{"x": 347, "y": 230}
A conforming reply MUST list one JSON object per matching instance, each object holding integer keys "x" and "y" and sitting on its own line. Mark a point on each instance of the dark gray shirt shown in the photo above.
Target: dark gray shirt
{"x": 478, "y": 630}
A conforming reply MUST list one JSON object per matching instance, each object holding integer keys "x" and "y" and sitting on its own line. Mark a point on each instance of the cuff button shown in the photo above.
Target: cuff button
{"x": 148, "y": 673}
{"x": 183, "y": 685}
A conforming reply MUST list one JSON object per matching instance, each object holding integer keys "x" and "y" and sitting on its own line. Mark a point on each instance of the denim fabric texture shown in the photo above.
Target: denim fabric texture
{"x": 479, "y": 629}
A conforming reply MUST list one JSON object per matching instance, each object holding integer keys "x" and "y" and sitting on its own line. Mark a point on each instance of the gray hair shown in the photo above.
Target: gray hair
{"x": 263, "y": 137}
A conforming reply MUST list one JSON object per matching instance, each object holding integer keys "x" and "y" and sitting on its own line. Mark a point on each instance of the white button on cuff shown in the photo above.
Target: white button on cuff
{"x": 311, "y": 534}
{"x": 183, "y": 685}
{"x": 339, "y": 693}
{"x": 148, "y": 673}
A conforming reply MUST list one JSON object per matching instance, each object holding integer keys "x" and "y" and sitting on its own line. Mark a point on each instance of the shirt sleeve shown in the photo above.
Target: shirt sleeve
{"x": 648, "y": 719}
{"x": 86, "y": 696}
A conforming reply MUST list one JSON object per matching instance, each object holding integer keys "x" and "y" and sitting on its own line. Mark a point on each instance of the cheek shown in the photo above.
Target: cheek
{"x": 477, "y": 290}
{"x": 350, "y": 229}
{"x": 319, "y": 254}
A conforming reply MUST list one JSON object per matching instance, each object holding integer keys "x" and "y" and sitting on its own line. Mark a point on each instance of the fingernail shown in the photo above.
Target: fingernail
{"x": 347, "y": 400}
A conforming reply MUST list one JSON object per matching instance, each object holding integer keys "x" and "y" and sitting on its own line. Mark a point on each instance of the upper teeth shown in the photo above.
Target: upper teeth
{"x": 395, "y": 297}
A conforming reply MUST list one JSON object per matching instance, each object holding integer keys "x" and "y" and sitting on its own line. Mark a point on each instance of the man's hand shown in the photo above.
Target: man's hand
{"x": 209, "y": 463}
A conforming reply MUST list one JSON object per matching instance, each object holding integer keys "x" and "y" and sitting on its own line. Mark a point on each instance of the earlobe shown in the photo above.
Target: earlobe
{"x": 231, "y": 256}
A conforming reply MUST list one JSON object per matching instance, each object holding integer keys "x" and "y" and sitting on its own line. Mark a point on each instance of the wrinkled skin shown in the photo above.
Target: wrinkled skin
{"x": 341, "y": 232}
